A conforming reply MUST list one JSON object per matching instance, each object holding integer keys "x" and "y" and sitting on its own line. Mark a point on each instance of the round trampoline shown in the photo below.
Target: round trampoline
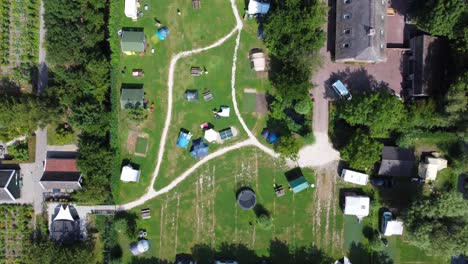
{"x": 246, "y": 199}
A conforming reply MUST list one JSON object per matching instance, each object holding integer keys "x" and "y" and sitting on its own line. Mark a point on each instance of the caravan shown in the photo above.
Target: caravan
{"x": 341, "y": 90}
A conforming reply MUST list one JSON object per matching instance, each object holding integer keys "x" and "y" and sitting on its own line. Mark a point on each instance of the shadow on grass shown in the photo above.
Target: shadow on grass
{"x": 359, "y": 254}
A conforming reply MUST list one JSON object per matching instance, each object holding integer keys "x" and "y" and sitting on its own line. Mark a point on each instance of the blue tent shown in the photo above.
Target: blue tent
{"x": 184, "y": 139}
{"x": 162, "y": 33}
{"x": 269, "y": 136}
{"x": 299, "y": 184}
{"x": 199, "y": 148}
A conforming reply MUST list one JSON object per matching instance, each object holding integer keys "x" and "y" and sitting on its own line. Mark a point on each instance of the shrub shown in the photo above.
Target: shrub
{"x": 264, "y": 222}
{"x": 19, "y": 151}
{"x": 303, "y": 107}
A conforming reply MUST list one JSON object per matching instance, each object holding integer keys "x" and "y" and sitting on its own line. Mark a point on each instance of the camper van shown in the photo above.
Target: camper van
{"x": 341, "y": 90}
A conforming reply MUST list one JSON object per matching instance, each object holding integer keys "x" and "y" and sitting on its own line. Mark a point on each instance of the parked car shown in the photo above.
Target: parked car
{"x": 341, "y": 90}
{"x": 382, "y": 182}
{"x": 386, "y": 216}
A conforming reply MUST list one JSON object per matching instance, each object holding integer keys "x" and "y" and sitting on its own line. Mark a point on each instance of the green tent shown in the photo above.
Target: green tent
{"x": 133, "y": 41}
{"x": 299, "y": 184}
{"x": 131, "y": 98}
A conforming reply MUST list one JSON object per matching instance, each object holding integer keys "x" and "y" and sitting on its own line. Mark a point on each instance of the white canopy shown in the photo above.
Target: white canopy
{"x": 394, "y": 228}
{"x": 225, "y": 110}
{"x": 354, "y": 177}
{"x": 357, "y": 205}
{"x": 64, "y": 214}
{"x": 258, "y": 61}
{"x": 257, "y": 7}
{"x": 211, "y": 135}
{"x": 131, "y": 9}
{"x": 129, "y": 174}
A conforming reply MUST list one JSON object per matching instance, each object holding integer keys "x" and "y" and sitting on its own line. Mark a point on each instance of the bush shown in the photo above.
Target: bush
{"x": 63, "y": 134}
{"x": 138, "y": 114}
{"x": 303, "y": 107}
{"x": 264, "y": 222}
{"x": 19, "y": 151}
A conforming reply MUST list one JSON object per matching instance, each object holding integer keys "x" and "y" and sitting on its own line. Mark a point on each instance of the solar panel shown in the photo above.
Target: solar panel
{"x": 226, "y": 134}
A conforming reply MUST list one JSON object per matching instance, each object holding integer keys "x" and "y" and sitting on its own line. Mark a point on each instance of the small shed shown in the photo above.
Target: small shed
{"x": 211, "y": 135}
{"x": 184, "y": 139}
{"x": 196, "y": 4}
{"x": 357, "y": 205}
{"x": 393, "y": 227}
{"x": 246, "y": 198}
{"x": 199, "y": 149}
{"x": 258, "y": 61}
{"x": 129, "y": 174}
{"x": 226, "y": 133}
{"x": 299, "y": 184}
{"x": 354, "y": 177}
{"x": 258, "y": 7}
{"x": 131, "y": 9}
{"x": 131, "y": 98}
{"x": 191, "y": 95}
{"x": 133, "y": 42}
{"x": 162, "y": 33}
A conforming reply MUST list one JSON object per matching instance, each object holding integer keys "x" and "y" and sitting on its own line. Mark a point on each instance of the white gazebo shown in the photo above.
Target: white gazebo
{"x": 64, "y": 214}
{"x": 131, "y": 9}
{"x": 129, "y": 174}
{"x": 354, "y": 177}
{"x": 211, "y": 135}
{"x": 357, "y": 205}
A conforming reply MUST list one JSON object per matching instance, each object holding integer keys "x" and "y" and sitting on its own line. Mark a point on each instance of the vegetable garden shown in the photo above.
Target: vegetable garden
{"x": 15, "y": 227}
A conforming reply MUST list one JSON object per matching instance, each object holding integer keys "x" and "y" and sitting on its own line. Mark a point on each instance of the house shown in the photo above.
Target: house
{"x": 354, "y": 177}
{"x": 397, "y": 162}
{"x": 65, "y": 226}
{"x": 425, "y": 65}
{"x": 133, "y": 42}
{"x": 199, "y": 149}
{"x": 226, "y": 133}
{"x": 360, "y": 31}
{"x": 298, "y": 184}
{"x": 184, "y": 139}
{"x": 9, "y": 185}
{"x": 61, "y": 175}
{"x": 258, "y": 61}
{"x": 430, "y": 167}
{"x": 132, "y": 97}
{"x": 129, "y": 174}
{"x": 131, "y": 9}
{"x": 357, "y": 206}
{"x": 258, "y": 7}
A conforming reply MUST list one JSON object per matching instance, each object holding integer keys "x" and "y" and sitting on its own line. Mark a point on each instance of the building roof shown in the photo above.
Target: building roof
{"x": 60, "y": 165}
{"x": 131, "y": 9}
{"x": 258, "y": 7}
{"x": 184, "y": 139}
{"x": 354, "y": 177}
{"x": 226, "y": 133}
{"x": 258, "y": 61}
{"x": 129, "y": 174}
{"x": 360, "y": 30}
{"x": 133, "y": 41}
{"x": 299, "y": 184}
{"x": 199, "y": 149}
{"x": 61, "y": 180}
{"x": 430, "y": 167}
{"x": 131, "y": 97}
{"x": 9, "y": 185}
{"x": 397, "y": 162}
{"x": 394, "y": 227}
{"x": 65, "y": 228}
{"x": 357, "y": 205}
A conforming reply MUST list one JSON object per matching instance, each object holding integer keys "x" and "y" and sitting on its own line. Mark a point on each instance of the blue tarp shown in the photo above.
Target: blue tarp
{"x": 162, "y": 33}
{"x": 184, "y": 139}
{"x": 269, "y": 136}
{"x": 199, "y": 148}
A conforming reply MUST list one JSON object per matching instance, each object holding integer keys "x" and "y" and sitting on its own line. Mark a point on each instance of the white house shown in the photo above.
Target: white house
{"x": 131, "y": 9}
{"x": 129, "y": 174}
{"x": 357, "y": 205}
{"x": 354, "y": 177}
{"x": 393, "y": 227}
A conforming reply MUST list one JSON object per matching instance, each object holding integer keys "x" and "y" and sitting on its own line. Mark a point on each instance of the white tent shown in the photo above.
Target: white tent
{"x": 354, "y": 177}
{"x": 211, "y": 135}
{"x": 131, "y": 9}
{"x": 394, "y": 228}
{"x": 258, "y": 7}
{"x": 357, "y": 205}
{"x": 225, "y": 111}
{"x": 258, "y": 61}
{"x": 64, "y": 214}
{"x": 129, "y": 174}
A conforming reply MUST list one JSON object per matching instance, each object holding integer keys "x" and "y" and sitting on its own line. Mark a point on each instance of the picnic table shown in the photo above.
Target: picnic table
{"x": 207, "y": 96}
{"x": 145, "y": 213}
{"x": 196, "y": 4}
{"x": 196, "y": 71}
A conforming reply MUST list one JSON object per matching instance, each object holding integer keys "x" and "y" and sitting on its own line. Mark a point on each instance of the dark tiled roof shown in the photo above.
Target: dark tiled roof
{"x": 395, "y": 153}
{"x": 397, "y": 162}
{"x": 61, "y": 180}
{"x": 364, "y": 16}
{"x": 8, "y": 177}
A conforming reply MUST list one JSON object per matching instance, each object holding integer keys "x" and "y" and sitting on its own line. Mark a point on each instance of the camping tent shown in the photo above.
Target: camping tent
{"x": 129, "y": 174}
{"x": 211, "y": 135}
{"x": 269, "y": 136}
{"x": 394, "y": 227}
{"x": 199, "y": 149}
{"x": 258, "y": 7}
{"x": 133, "y": 41}
{"x": 184, "y": 139}
{"x": 258, "y": 61}
{"x": 225, "y": 111}
{"x": 357, "y": 205}
{"x": 191, "y": 95}
{"x": 131, "y": 9}
{"x": 299, "y": 184}
{"x": 428, "y": 170}
{"x": 162, "y": 33}
{"x": 354, "y": 177}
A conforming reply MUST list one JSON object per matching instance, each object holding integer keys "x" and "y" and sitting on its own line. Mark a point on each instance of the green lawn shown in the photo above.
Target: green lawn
{"x": 141, "y": 145}
{"x": 249, "y": 102}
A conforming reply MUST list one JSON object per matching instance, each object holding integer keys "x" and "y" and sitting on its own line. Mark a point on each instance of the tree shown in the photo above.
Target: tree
{"x": 90, "y": 117}
{"x": 264, "y": 222}
{"x": 443, "y": 17}
{"x": 362, "y": 151}
{"x": 303, "y": 107}
{"x": 456, "y": 106}
{"x": 288, "y": 147}
{"x": 381, "y": 112}
{"x": 439, "y": 224}
{"x": 47, "y": 252}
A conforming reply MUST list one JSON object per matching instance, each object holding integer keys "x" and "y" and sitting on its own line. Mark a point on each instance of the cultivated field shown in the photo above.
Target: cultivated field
{"x": 15, "y": 229}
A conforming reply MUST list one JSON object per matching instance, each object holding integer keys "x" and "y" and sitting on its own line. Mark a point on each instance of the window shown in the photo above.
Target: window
{"x": 347, "y": 16}
{"x": 347, "y": 31}
{"x": 382, "y": 46}
{"x": 381, "y": 32}
{"x": 346, "y": 45}
{"x": 382, "y": 17}
{"x": 347, "y": 1}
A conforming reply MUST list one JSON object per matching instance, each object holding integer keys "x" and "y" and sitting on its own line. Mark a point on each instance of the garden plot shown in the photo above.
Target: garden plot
{"x": 14, "y": 232}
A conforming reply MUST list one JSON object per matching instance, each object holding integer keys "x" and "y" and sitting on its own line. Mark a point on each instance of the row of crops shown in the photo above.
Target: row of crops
{"x": 4, "y": 31}
{"x": 15, "y": 230}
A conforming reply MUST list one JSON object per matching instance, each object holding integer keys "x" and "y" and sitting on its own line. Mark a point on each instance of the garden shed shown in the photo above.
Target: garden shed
{"x": 131, "y": 97}
{"x": 199, "y": 149}
{"x": 133, "y": 42}
{"x": 129, "y": 174}
{"x": 184, "y": 139}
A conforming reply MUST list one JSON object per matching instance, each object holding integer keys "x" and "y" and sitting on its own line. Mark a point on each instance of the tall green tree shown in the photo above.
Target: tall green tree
{"x": 381, "y": 112}
{"x": 457, "y": 103}
{"x": 288, "y": 147}
{"x": 439, "y": 224}
{"x": 362, "y": 151}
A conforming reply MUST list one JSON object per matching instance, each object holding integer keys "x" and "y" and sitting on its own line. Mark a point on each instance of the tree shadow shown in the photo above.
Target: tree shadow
{"x": 126, "y": 162}
{"x": 261, "y": 210}
{"x": 9, "y": 87}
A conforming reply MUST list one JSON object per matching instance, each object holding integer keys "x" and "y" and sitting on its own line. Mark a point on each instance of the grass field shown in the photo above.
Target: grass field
{"x": 249, "y": 102}
{"x": 141, "y": 145}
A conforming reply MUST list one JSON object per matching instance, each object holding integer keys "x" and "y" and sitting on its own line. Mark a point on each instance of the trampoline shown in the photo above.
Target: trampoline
{"x": 246, "y": 199}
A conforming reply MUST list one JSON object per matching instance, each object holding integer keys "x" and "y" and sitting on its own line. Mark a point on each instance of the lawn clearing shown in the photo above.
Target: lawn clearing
{"x": 249, "y": 104}
{"x": 141, "y": 146}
